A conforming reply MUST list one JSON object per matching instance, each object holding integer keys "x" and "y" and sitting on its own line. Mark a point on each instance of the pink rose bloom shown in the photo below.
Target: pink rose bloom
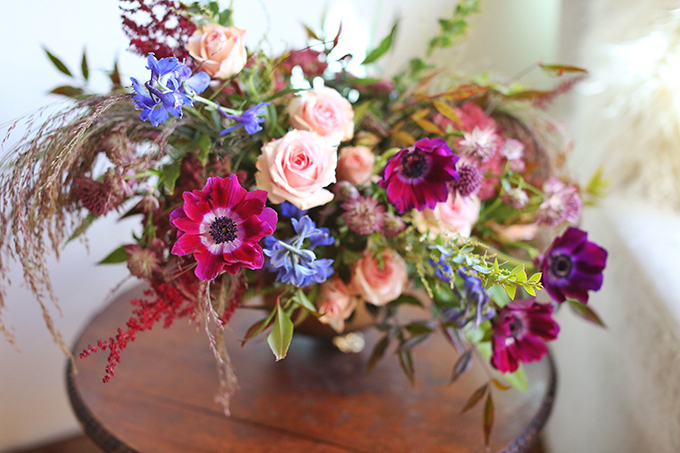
{"x": 335, "y": 304}
{"x": 356, "y": 164}
{"x": 379, "y": 281}
{"x": 457, "y": 214}
{"x": 325, "y": 112}
{"x": 220, "y": 51}
{"x": 516, "y": 233}
{"x": 296, "y": 168}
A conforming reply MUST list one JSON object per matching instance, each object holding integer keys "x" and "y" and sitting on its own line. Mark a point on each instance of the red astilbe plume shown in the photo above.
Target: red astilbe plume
{"x": 170, "y": 305}
{"x": 157, "y": 26}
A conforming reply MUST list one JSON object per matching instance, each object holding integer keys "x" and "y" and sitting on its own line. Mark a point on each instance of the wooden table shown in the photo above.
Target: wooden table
{"x": 316, "y": 400}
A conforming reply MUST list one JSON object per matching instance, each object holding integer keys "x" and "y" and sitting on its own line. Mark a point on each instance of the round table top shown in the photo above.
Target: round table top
{"x": 315, "y": 400}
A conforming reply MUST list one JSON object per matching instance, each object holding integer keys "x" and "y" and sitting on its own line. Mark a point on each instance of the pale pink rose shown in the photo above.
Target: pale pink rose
{"x": 356, "y": 164}
{"x": 516, "y": 233}
{"x": 219, "y": 51}
{"x": 335, "y": 304}
{"x": 379, "y": 280}
{"x": 325, "y": 112}
{"x": 296, "y": 168}
{"x": 457, "y": 214}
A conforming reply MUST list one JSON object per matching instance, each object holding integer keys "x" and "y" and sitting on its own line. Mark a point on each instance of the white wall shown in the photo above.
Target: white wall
{"x": 510, "y": 35}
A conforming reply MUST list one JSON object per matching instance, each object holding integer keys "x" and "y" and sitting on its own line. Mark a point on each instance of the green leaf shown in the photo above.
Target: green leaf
{"x": 489, "y": 414}
{"x": 302, "y": 300}
{"x": 204, "y": 144}
{"x": 535, "y": 278}
{"x": 510, "y": 289}
{"x": 258, "y": 328}
{"x": 475, "y": 398}
{"x": 281, "y": 334}
{"x": 117, "y": 256}
{"x": 89, "y": 220}
{"x": 115, "y": 75}
{"x": 498, "y": 295}
{"x": 83, "y": 66}
{"x": 225, "y": 18}
{"x": 413, "y": 341}
{"x": 68, "y": 91}
{"x": 284, "y": 92}
{"x": 169, "y": 175}
{"x": 360, "y": 110}
{"x": 518, "y": 379}
{"x": 463, "y": 364}
{"x": 560, "y": 69}
{"x": 214, "y": 8}
{"x": 310, "y": 33}
{"x": 406, "y": 362}
{"x": 418, "y": 328}
{"x": 57, "y": 63}
{"x": 519, "y": 268}
{"x": 586, "y": 312}
{"x": 382, "y": 48}
{"x": 378, "y": 352}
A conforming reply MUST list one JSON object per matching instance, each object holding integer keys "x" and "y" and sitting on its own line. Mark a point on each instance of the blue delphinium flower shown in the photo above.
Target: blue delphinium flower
{"x": 441, "y": 270}
{"x": 291, "y": 211}
{"x": 170, "y": 87}
{"x": 474, "y": 302}
{"x": 296, "y": 264}
{"x": 250, "y": 119}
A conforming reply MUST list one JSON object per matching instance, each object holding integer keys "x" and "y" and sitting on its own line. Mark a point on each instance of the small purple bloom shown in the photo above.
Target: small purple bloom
{"x": 296, "y": 264}
{"x": 165, "y": 93}
{"x": 363, "y": 215}
{"x": 291, "y": 211}
{"x": 469, "y": 182}
{"x": 562, "y": 203}
{"x": 520, "y": 332}
{"x": 417, "y": 177}
{"x": 250, "y": 120}
{"x": 573, "y": 266}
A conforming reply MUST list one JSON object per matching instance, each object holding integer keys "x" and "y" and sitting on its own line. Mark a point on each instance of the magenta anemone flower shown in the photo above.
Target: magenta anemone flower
{"x": 519, "y": 334}
{"x": 222, "y": 225}
{"x": 417, "y": 177}
{"x": 572, "y": 266}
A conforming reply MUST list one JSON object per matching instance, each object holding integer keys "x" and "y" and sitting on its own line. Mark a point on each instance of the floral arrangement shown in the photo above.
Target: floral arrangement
{"x": 325, "y": 194}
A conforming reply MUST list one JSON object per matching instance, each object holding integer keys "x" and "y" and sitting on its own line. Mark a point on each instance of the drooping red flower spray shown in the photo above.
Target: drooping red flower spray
{"x": 157, "y": 26}
{"x": 168, "y": 306}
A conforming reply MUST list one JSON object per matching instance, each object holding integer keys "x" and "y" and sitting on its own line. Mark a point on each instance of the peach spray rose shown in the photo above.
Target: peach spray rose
{"x": 220, "y": 51}
{"x": 379, "y": 279}
{"x": 356, "y": 164}
{"x": 325, "y": 112}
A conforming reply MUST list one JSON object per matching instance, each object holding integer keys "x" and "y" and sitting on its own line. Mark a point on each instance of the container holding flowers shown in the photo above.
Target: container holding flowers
{"x": 333, "y": 197}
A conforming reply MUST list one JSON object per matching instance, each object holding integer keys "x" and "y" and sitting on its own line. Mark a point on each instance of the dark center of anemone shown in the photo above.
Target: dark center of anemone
{"x": 561, "y": 265}
{"x": 516, "y": 327}
{"x": 414, "y": 165}
{"x": 223, "y": 229}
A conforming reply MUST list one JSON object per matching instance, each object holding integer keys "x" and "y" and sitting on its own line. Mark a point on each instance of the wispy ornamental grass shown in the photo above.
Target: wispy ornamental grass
{"x": 38, "y": 208}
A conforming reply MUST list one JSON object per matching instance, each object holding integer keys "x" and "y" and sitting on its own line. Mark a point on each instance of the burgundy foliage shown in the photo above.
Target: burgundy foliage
{"x": 157, "y": 26}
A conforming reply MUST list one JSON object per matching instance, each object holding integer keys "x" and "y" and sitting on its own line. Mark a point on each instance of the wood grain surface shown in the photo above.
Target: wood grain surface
{"x": 316, "y": 400}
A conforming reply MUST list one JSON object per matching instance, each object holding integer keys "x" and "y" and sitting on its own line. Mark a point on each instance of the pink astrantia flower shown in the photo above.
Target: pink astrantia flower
{"x": 417, "y": 177}
{"x": 562, "y": 203}
{"x": 519, "y": 334}
{"x": 480, "y": 143}
{"x": 222, "y": 225}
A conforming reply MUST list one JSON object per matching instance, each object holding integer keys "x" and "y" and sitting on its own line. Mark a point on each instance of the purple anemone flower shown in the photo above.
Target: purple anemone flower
{"x": 519, "y": 334}
{"x": 417, "y": 177}
{"x": 573, "y": 266}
